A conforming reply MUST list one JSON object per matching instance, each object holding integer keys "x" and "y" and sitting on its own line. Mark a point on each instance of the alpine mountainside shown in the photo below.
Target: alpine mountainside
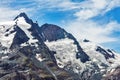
{"x": 32, "y": 52}
{"x": 100, "y": 62}
{"x": 23, "y": 54}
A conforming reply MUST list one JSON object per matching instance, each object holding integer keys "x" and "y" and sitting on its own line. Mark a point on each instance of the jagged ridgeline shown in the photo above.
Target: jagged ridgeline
{"x": 32, "y": 52}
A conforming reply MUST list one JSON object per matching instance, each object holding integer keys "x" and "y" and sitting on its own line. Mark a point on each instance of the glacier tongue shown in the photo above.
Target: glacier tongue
{"x": 66, "y": 54}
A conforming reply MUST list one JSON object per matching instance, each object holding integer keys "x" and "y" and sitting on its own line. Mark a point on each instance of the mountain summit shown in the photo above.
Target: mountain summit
{"x": 22, "y": 15}
{"x": 48, "y": 52}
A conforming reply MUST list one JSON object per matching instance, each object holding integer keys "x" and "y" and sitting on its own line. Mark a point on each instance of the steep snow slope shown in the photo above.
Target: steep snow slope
{"x": 99, "y": 56}
{"x": 90, "y": 49}
{"x": 97, "y": 52}
{"x": 7, "y": 33}
{"x": 25, "y": 27}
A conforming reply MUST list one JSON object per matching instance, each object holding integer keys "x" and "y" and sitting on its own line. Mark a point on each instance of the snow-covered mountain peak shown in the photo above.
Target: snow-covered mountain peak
{"x": 52, "y": 33}
{"x": 22, "y": 32}
{"x": 9, "y": 29}
{"x": 26, "y": 18}
{"x": 21, "y": 27}
{"x": 22, "y": 22}
{"x": 22, "y": 15}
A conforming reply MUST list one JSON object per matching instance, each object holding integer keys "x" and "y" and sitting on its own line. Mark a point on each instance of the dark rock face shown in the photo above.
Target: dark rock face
{"x": 85, "y": 40}
{"x": 105, "y": 53}
{"x": 20, "y": 37}
{"x": 52, "y": 32}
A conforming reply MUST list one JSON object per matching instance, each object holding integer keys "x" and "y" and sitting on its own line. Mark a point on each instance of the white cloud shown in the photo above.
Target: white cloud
{"x": 91, "y": 8}
{"x": 61, "y": 5}
{"x": 113, "y": 4}
{"x": 83, "y": 27}
{"x": 7, "y": 14}
{"x": 3, "y": 2}
{"x": 85, "y": 14}
{"x": 83, "y": 10}
{"x": 93, "y": 31}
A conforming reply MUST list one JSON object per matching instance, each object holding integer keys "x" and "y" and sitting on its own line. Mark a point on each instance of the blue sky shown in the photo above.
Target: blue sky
{"x": 96, "y": 20}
